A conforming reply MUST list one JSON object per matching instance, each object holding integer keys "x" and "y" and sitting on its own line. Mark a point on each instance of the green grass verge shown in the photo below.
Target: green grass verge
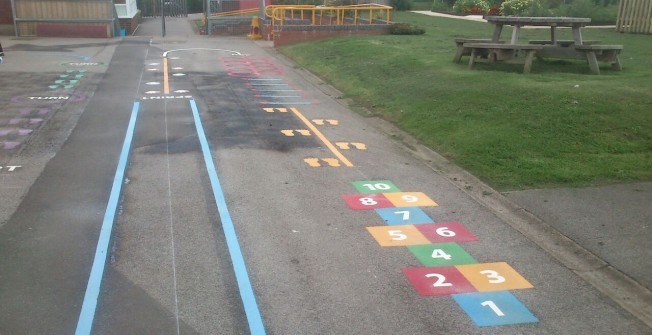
{"x": 558, "y": 126}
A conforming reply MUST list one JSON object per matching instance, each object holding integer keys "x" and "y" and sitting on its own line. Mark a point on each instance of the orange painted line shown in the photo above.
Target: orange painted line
{"x": 166, "y": 82}
{"x": 321, "y": 136}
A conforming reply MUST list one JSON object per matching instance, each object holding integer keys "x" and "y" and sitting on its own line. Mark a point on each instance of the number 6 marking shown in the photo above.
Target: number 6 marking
{"x": 493, "y": 276}
{"x": 441, "y": 280}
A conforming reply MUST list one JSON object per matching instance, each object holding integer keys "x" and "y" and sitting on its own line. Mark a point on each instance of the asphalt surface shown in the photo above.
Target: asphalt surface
{"x": 286, "y": 150}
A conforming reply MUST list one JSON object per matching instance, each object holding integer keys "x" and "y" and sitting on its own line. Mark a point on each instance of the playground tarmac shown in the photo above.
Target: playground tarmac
{"x": 602, "y": 234}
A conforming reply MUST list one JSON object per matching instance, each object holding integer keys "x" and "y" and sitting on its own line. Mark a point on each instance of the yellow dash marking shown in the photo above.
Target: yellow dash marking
{"x": 303, "y": 132}
{"x": 269, "y": 110}
{"x": 288, "y": 132}
{"x": 332, "y": 162}
{"x": 313, "y": 162}
{"x": 321, "y": 136}
{"x": 166, "y": 82}
{"x": 283, "y": 110}
{"x": 359, "y": 146}
{"x": 343, "y": 145}
{"x": 333, "y": 122}
{"x": 318, "y": 122}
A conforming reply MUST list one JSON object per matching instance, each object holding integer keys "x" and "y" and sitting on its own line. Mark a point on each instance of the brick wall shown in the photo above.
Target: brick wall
{"x": 298, "y": 35}
{"x": 6, "y": 16}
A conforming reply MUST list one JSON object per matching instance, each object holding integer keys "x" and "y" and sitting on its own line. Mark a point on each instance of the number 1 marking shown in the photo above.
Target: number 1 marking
{"x": 493, "y": 307}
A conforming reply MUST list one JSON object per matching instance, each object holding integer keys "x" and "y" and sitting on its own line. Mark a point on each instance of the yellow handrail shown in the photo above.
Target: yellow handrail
{"x": 278, "y": 13}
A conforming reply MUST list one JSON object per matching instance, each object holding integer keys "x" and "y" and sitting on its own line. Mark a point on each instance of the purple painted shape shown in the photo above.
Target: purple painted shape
{"x": 44, "y": 111}
{"x": 15, "y": 121}
{"x": 35, "y": 121}
{"x": 11, "y": 145}
{"x": 26, "y": 111}
{"x": 24, "y": 132}
{"x": 5, "y": 132}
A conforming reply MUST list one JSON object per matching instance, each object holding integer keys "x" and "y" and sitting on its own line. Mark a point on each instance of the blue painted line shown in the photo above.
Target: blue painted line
{"x": 87, "y": 314}
{"x": 242, "y": 277}
{"x": 257, "y": 90}
{"x": 279, "y": 96}
{"x": 285, "y": 103}
{"x": 269, "y": 84}
{"x": 265, "y": 79}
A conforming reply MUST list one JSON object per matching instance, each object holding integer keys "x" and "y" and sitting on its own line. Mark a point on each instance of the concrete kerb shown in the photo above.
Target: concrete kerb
{"x": 620, "y": 288}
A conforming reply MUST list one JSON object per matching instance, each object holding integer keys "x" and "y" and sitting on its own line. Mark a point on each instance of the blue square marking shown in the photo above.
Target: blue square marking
{"x": 403, "y": 215}
{"x": 494, "y": 308}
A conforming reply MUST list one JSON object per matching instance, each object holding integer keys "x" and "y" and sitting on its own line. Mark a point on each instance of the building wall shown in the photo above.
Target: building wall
{"x": 6, "y": 18}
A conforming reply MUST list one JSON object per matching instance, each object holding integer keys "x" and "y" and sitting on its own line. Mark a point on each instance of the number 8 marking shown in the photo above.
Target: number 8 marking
{"x": 368, "y": 201}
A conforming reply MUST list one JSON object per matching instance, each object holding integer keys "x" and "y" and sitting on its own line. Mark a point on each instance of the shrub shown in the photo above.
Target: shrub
{"x": 471, "y": 6}
{"x": 514, "y": 7}
{"x": 440, "y": 6}
{"x": 405, "y": 29}
{"x": 401, "y": 4}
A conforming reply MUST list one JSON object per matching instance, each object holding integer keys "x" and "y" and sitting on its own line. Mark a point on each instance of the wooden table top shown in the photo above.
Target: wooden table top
{"x": 539, "y": 21}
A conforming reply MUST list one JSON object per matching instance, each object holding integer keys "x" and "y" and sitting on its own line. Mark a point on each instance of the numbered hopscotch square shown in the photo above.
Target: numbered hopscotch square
{"x": 366, "y": 201}
{"x": 375, "y": 186}
{"x": 403, "y": 215}
{"x": 444, "y": 254}
{"x": 494, "y": 308}
{"x": 395, "y": 236}
{"x": 410, "y": 199}
{"x": 443, "y": 280}
{"x": 493, "y": 277}
{"x": 442, "y": 232}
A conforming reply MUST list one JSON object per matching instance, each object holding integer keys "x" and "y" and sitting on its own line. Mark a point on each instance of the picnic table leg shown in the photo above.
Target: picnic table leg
{"x": 472, "y": 60}
{"x": 593, "y": 61}
{"x": 515, "y": 31}
{"x": 553, "y": 38}
{"x": 497, "y": 31}
{"x": 458, "y": 54}
{"x": 577, "y": 35}
{"x": 528, "y": 61}
{"x": 616, "y": 65}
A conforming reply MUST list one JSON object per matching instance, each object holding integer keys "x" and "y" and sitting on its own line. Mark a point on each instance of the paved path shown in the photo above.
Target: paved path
{"x": 218, "y": 189}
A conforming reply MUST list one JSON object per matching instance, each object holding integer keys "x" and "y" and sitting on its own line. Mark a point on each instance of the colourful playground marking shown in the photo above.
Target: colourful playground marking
{"x": 493, "y": 277}
{"x": 375, "y": 186}
{"x": 494, "y": 308}
{"x": 366, "y": 201}
{"x": 410, "y": 199}
{"x": 443, "y": 280}
{"x": 442, "y": 232}
{"x": 397, "y": 236}
{"x": 444, "y": 254}
{"x": 403, "y": 215}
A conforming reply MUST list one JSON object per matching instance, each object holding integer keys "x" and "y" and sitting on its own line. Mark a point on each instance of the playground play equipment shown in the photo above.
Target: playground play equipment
{"x": 280, "y": 17}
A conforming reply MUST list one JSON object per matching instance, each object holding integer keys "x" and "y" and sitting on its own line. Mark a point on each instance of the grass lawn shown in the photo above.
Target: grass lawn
{"x": 560, "y": 125}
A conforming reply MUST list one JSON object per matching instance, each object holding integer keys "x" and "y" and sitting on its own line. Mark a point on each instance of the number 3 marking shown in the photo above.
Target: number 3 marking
{"x": 493, "y": 276}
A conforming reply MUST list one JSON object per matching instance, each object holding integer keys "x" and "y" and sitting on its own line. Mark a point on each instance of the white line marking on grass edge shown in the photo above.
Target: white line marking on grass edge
{"x": 242, "y": 277}
{"x": 87, "y": 314}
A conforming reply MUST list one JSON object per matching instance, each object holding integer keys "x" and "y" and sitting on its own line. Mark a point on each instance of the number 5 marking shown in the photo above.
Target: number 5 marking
{"x": 397, "y": 235}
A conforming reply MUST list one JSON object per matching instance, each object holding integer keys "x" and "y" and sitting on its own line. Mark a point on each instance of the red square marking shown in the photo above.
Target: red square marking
{"x": 366, "y": 201}
{"x": 440, "y": 280}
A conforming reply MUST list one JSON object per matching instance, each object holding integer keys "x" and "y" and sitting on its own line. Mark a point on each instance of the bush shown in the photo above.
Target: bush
{"x": 514, "y": 7}
{"x": 440, "y": 6}
{"x": 471, "y": 6}
{"x": 588, "y": 8}
{"x": 406, "y": 29}
{"x": 401, "y": 4}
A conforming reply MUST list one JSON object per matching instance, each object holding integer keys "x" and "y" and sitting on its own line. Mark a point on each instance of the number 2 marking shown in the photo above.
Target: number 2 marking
{"x": 441, "y": 280}
{"x": 493, "y": 307}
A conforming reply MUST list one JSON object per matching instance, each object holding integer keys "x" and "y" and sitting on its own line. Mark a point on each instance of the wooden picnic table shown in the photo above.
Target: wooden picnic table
{"x": 514, "y": 52}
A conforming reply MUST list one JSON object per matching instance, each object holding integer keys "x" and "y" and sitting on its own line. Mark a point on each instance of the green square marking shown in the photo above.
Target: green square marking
{"x": 375, "y": 186}
{"x": 443, "y": 254}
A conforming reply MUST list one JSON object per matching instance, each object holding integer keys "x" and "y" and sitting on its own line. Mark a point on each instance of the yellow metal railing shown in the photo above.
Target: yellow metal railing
{"x": 327, "y": 15}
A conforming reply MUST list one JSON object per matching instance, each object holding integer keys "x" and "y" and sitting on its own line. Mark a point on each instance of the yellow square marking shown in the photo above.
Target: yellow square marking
{"x": 394, "y": 236}
{"x": 493, "y": 277}
{"x": 410, "y": 199}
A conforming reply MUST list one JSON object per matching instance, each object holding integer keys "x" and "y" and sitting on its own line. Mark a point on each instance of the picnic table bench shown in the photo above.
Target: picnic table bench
{"x": 508, "y": 53}
{"x": 494, "y": 50}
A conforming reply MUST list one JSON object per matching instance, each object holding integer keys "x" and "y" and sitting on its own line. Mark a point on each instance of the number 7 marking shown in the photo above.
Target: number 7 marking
{"x": 406, "y": 214}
